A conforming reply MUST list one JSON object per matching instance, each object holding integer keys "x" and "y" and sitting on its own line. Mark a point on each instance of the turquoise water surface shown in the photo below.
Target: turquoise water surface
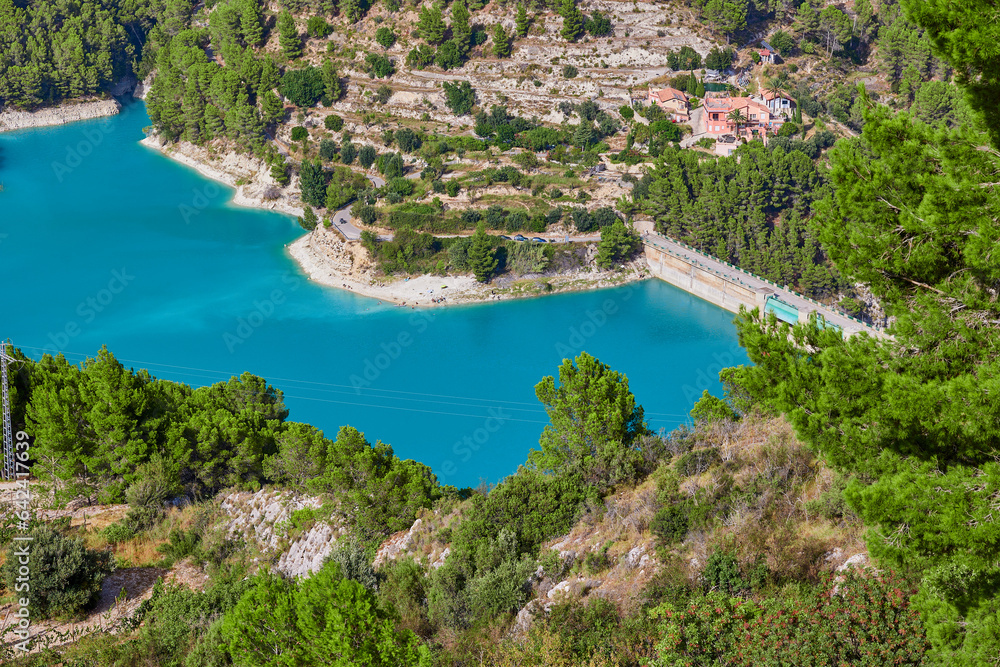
{"x": 103, "y": 241}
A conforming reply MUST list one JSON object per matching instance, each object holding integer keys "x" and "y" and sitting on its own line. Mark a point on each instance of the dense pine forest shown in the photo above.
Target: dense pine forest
{"x": 59, "y": 50}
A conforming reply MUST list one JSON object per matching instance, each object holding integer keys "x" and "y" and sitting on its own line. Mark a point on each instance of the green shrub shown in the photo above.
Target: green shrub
{"x": 317, "y": 27}
{"x": 670, "y": 523}
{"x": 354, "y": 563}
{"x": 400, "y": 186}
{"x": 299, "y": 133}
{"x": 711, "y": 409}
{"x": 597, "y": 561}
{"x": 385, "y": 37}
{"x": 118, "y": 532}
{"x": 333, "y": 122}
{"x": 327, "y": 150}
{"x": 383, "y": 94}
{"x": 180, "y": 544}
{"x": 379, "y": 67}
{"x": 303, "y": 87}
{"x": 722, "y": 573}
{"x": 179, "y": 623}
{"x": 697, "y": 462}
{"x": 460, "y": 97}
{"x": 502, "y": 590}
{"x": 403, "y": 587}
{"x": 65, "y": 576}
{"x": 569, "y": 72}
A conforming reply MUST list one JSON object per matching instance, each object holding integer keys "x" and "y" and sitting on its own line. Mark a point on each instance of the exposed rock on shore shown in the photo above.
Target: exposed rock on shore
{"x": 250, "y": 176}
{"x": 68, "y": 112}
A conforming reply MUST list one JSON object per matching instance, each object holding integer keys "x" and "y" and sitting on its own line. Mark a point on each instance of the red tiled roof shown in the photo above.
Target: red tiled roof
{"x": 730, "y": 103}
{"x": 666, "y": 94}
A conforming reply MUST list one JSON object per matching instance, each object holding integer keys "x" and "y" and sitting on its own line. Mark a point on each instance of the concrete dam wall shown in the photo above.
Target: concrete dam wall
{"x": 691, "y": 276}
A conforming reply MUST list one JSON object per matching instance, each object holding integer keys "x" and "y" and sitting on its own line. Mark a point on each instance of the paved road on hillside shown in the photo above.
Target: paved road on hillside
{"x": 804, "y": 305}
{"x": 342, "y": 218}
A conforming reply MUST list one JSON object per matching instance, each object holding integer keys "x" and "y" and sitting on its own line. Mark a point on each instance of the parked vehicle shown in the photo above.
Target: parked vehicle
{"x": 520, "y": 238}
{"x": 538, "y": 240}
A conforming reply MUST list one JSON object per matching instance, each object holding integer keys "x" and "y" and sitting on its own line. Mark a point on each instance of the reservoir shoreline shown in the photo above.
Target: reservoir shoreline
{"x": 328, "y": 260}
{"x": 67, "y": 112}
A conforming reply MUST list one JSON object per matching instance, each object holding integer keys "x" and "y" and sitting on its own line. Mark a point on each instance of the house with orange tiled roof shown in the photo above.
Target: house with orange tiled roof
{"x": 673, "y": 102}
{"x": 757, "y": 116}
{"x": 767, "y": 56}
{"x": 778, "y": 104}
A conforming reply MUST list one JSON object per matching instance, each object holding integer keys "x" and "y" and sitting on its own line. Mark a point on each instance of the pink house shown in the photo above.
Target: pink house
{"x": 716, "y": 121}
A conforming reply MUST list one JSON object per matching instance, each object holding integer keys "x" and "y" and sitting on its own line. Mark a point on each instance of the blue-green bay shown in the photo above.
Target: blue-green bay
{"x": 103, "y": 241}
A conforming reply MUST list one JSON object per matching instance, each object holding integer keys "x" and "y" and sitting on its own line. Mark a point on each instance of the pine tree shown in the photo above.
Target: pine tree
{"x": 431, "y": 24}
{"x": 291, "y": 43}
{"x": 522, "y": 22}
{"x": 312, "y": 182}
{"x": 271, "y": 107}
{"x": 215, "y": 121}
{"x": 350, "y": 10}
{"x": 501, "y": 42}
{"x": 279, "y": 172}
{"x": 308, "y": 219}
{"x": 481, "y": 259}
{"x": 333, "y": 90}
{"x": 573, "y": 21}
{"x": 250, "y": 23}
{"x": 461, "y": 31}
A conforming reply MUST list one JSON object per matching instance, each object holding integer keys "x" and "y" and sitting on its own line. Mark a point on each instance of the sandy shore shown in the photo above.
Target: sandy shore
{"x": 331, "y": 262}
{"x": 66, "y": 112}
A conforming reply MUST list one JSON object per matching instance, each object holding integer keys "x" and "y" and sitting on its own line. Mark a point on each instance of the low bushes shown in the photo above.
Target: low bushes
{"x": 65, "y": 576}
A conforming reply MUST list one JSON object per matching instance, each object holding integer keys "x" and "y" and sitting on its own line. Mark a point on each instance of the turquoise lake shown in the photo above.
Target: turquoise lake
{"x": 103, "y": 241}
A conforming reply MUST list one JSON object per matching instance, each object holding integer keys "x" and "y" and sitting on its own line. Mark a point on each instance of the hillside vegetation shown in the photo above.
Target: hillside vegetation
{"x": 612, "y": 545}
{"x": 585, "y": 552}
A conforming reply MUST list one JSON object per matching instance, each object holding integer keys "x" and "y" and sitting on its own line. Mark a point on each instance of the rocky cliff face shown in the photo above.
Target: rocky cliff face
{"x": 265, "y": 517}
{"x": 68, "y": 112}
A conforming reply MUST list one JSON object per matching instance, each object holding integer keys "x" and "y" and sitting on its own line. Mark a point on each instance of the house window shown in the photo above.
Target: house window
{"x": 753, "y": 116}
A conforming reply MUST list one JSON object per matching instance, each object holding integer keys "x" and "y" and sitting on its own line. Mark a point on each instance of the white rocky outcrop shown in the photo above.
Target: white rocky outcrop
{"x": 857, "y": 561}
{"x": 263, "y": 516}
{"x": 310, "y": 550}
{"x": 11, "y": 119}
{"x": 396, "y": 544}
